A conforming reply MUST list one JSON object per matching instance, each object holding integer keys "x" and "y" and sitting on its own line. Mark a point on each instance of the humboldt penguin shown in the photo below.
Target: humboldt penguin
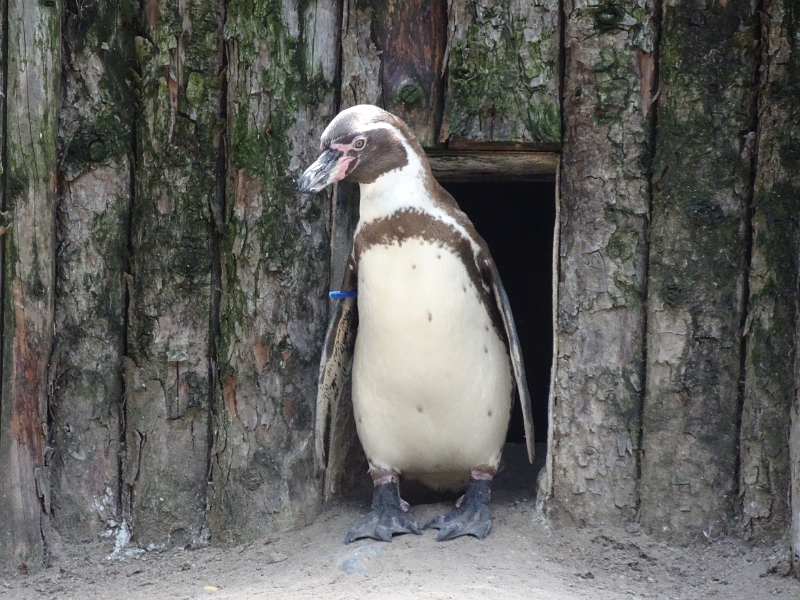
{"x": 435, "y": 353}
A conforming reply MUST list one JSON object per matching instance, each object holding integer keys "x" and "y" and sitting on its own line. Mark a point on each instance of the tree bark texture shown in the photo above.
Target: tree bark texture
{"x": 502, "y": 66}
{"x": 282, "y": 92}
{"x": 764, "y": 476}
{"x": 702, "y": 183}
{"x": 604, "y": 196}
{"x": 168, "y": 371}
{"x": 32, "y": 99}
{"x": 86, "y": 401}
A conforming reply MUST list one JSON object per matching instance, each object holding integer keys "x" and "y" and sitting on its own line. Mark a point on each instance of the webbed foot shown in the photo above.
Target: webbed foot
{"x": 389, "y": 515}
{"x": 471, "y": 515}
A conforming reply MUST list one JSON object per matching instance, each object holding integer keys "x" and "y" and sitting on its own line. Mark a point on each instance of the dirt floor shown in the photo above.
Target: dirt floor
{"x": 523, "y": 557}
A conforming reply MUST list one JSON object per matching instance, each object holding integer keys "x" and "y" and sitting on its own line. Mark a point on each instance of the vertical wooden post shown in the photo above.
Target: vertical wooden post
{"x": 93, "y": 209}
{"x": 702, "y": 182}
{"x": 604, "y": 214}
{"x": 283, "y": 86}
{"x": 32, "y": 100}
{"x": 168, "y": 372}
{"x": 764, "y": 475}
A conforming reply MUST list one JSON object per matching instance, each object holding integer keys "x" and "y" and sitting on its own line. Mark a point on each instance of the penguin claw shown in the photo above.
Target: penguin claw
{"x": 389, "y": 516}
{"x": 471, "y": 515}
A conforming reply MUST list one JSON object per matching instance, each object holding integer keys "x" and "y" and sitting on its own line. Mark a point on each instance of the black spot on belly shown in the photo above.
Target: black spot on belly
{"x": 413, "y": 266}
{"x": 486, "y": 327}
{"x": 489, "y": 413}
{"x": 419, "y": 409}
{"x": 464, "y": 288}
{"x": 438, "y": 255}
{"x": 430, "y": 316}
{"x": 359, "y": 419}
{"x": 486, "y": 350}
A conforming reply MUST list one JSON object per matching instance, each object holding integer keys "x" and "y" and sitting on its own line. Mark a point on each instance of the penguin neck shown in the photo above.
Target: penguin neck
{"x": 398, "y": 189}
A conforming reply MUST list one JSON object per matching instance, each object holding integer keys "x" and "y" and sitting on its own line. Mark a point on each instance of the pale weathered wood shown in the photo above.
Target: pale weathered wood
{"x": 502, "y": 73}
{"x": 493, "y": 166}
{"x": 168, "y": 371}
{"x": 33, "y": 93}
{"x": 764, "y": 472}
{"x": 92, "y": 236}
{"x": 604, "y": 211}
{"x": 701, "y": 182}
{"x": 361, "y": 63}
{"x": 283, "y": 84}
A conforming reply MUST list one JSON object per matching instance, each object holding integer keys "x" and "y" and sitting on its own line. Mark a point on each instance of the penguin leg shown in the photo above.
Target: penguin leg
{"x": 390, "y": 514}
{"x": 471, "y": 515}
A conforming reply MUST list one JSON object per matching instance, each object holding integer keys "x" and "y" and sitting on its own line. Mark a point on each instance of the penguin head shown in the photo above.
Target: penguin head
{"x": 360, "y": 144}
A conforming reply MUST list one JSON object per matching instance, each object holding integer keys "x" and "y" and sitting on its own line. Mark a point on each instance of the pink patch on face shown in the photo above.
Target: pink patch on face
{"x": 344, "y": 162}
{"x": 341, "y": 168}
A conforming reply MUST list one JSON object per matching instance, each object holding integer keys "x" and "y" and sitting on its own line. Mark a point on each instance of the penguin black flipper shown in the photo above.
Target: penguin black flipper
{"x": 336, "y": 358}
{"x": 514, "y": 349}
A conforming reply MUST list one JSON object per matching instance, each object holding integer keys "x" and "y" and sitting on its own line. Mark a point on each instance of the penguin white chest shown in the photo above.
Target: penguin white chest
{"x": 432, "y": 384}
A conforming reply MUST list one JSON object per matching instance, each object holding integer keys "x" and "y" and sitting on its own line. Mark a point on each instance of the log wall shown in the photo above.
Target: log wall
{"x": 164, "y": 284}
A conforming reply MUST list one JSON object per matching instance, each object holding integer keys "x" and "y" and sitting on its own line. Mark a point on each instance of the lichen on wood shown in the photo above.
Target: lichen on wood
{"x": 95, "y": 134}
{"x": 168, "y": 368}
{"x": 32, "y": 100}
{"x": 701, "y": 182}
{"x": 502, "y": 73}
{"x": 604, "y": 197}
{"x": 282, "y": 73}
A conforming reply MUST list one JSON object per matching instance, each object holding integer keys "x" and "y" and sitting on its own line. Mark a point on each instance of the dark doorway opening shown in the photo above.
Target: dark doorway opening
{"x": 517, "y": 220}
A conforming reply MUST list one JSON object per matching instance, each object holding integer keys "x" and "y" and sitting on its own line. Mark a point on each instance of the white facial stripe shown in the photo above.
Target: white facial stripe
{"x": 403, "y": 188}
{"x": 343, "y": 147}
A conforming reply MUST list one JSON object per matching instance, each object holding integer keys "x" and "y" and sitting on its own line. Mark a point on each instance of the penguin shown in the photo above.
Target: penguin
{"x": 434, "y": 349}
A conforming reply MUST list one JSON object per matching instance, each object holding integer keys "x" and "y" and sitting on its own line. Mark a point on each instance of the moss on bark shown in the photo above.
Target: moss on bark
{"x": 701, "y": 190}
{"x": 32, "y": 100}
{"x": 502, "y": 73}
{"x": 95, "y": 140}
{"x": 281, "y": 95}
{"x": 168, "y": 375}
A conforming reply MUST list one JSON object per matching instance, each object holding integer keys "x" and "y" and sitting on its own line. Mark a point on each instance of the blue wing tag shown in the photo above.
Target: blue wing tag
{"x": 338, "y": 295}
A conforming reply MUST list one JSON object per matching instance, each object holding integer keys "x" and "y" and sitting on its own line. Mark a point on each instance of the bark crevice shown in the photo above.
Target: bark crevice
{"x": 3, "y": 188}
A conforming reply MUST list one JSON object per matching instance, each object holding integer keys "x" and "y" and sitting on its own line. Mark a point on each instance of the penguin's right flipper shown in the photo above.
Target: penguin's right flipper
{"x": 514, "y": 349}
{"x": 337, "y": 356}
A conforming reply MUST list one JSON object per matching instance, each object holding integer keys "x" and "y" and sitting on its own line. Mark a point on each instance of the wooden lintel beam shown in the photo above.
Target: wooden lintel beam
{"x": 493, "y": 166}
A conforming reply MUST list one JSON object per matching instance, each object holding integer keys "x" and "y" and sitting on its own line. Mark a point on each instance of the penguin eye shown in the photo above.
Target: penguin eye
{"x": 359, "y": 143}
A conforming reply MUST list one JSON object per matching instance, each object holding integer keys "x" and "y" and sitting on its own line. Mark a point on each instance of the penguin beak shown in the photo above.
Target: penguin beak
{"x": 331, "y": 166}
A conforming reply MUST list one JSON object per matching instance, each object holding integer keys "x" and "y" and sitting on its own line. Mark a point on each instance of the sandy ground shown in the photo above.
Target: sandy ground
{"x": 523, "y": 557}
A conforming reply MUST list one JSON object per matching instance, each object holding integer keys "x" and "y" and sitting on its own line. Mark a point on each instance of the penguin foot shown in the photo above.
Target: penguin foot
{"x": 471, "y": 515}
{"x": 389, "y": 515}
